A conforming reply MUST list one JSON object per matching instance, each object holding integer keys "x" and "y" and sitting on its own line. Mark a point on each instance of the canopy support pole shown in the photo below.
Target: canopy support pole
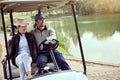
{"x": 79, "y": 39}
{"x": 39, "y": 11}
{"x": 12, "y": 24}
{"x": 5, "y": 36}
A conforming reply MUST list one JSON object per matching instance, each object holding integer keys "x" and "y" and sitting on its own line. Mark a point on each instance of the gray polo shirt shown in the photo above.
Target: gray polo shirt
{"x": 47, "y": 33}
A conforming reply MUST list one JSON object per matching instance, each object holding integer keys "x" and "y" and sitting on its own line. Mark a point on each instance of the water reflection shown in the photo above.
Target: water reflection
{"x": 99, "y": 34}
{"x": 86, "y": 22}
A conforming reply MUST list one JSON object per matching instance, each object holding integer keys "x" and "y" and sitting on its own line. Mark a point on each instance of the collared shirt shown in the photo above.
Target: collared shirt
{"x": 23, "y": 45}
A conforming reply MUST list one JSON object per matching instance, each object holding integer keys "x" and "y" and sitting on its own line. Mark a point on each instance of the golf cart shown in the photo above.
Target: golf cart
{"x": 40, "y": 5}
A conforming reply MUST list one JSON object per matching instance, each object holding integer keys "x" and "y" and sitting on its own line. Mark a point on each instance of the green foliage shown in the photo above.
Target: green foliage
{"x": 104, "y": 6}
{"x": 63, "y": 51}
{"x": 62, "y": 41}
{"x": 63, "y": 44}
{"x": 80, "y": 7}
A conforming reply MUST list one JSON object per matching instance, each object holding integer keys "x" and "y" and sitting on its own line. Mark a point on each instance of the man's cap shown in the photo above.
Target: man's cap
{"x": 39, "y": 16}
{"x": 21, "y": 22}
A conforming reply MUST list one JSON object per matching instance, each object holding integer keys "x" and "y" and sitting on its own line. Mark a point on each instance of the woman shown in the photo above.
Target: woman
{"x": 23, "y": 49}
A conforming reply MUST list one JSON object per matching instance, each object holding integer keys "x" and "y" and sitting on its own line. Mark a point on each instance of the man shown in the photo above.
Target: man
{"x": 41, "y": 33}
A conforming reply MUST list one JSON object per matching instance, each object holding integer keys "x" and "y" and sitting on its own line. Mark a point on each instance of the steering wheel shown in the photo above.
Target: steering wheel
{"x": 47, "y": 45}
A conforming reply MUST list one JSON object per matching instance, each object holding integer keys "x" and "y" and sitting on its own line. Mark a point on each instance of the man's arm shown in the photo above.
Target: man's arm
{"x": 52, "y": 34}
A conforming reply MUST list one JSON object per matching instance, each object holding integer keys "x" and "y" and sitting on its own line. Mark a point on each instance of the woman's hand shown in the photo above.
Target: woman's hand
{"x": 4, "y": 60}
{"x": 34, "y": 65}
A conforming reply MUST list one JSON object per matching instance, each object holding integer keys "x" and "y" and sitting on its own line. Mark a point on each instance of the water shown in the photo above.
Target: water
{"x": 100, "y": 36}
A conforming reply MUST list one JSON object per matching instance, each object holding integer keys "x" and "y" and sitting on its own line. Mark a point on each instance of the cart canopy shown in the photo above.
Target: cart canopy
{"x": 31, "y": 5}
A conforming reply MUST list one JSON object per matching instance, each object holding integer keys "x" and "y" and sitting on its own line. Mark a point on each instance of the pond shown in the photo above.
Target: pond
{"x": 100, "y": 36}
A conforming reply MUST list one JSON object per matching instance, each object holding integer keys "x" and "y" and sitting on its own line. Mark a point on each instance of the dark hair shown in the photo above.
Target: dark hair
{"x": 15, "y": 26}
{"x": 34, "y": 25}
